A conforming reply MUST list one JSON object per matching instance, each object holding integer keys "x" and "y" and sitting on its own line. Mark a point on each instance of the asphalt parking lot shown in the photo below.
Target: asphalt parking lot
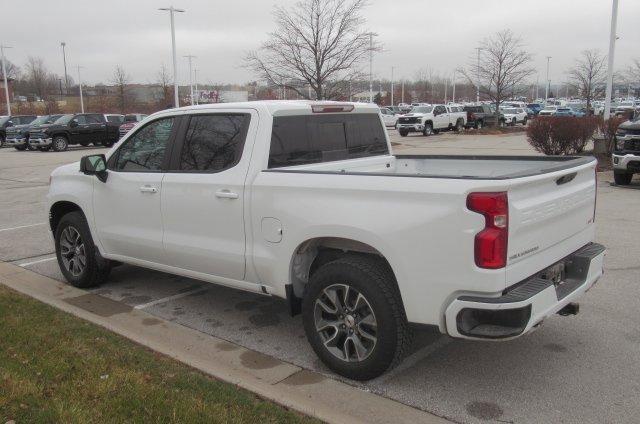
{"x": 580, "y": 369}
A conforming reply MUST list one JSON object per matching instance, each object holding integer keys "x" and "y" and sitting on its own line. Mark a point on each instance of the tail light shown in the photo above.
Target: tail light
{"x": 491, "y": 243}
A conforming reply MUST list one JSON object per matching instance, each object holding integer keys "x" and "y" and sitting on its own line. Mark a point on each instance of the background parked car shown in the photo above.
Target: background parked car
{"x": 480, "y": 116}
{"x": 514, "y": 115}
{"x": 114, "y": 117}
{"x": 9, "y": 121}
{"x": 389, "y": 117}
{"x": 81, "y": 128}
{"x": 535, "y": 107}
{"x": 130, "y": 121}
{"x": 18, "y": 135}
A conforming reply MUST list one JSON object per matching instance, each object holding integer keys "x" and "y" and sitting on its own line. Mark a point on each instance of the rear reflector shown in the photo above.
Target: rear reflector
{"x": 331, "y": 108}
{"x": 491, "y": 243}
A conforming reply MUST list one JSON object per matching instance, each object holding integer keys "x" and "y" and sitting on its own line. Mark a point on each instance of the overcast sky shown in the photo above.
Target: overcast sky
{"x": 415, "y": 34}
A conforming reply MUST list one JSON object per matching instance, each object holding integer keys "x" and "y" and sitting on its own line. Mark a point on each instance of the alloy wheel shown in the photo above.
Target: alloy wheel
{"x": 346, "y": 323}
{"x": 72, "y": 251}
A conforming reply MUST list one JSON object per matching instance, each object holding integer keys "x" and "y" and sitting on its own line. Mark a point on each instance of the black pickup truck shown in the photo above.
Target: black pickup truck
{"x": 82, "y": 128}
{"x": 18, "y": 135}
{"x": 9, "y": 121}
{"x": 482, "y": 116}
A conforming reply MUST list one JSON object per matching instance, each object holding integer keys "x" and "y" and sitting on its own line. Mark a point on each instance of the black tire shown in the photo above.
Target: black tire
{"x": 479, "y": 125}
{"x": 513, "y": 122}
{"x": 60, "y": 143}
{"x": 502, "y": 123}
{"x": 96, "y": 269}
{"x": 370, "y": 277}
{"x": 20, "y": 148}
{"x": 44, "y": 149}
{"x": 428, "y": 129}
{"x": 459, "y": 126}
{"x": 403, "y": 133}
{"x": 622, "y": 178}
{"x": 524, "y": 123}
{"x": 31, "y": 147}
{"x": 1, "y": 141}
{"x": 108, "y": 143}
{"x": 85, "y": 143}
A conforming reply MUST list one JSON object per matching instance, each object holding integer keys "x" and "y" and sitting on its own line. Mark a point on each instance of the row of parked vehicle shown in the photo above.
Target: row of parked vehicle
{"x": 57, "y": 132}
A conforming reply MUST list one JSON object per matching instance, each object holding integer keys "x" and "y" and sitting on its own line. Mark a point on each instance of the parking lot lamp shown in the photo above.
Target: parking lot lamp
{"x": 546, "y": 88}
{"x": 371, "y": 67}
{"x": 64, "y": 60}
{"x": 172, "y": 10}
{"x": 392, "y": 86}
{"x": 453, "y": 89}
{"x": 4, "y": 75}
{"x": 478, "y": 76}
{"x": 80, "y": 88}
{"x": 612, "y": 48}
{"x": 195, "y": 83}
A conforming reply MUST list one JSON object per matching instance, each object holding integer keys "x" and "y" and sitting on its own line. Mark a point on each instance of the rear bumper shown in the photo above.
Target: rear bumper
{"x": 525, "y": 305}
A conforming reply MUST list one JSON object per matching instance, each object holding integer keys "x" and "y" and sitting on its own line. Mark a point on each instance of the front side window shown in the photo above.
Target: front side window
{"x": 81, "y": 119}
{"x": 93, "y": 119}
{"x": 213, "y": 143}
{"x": 144, "y": 151}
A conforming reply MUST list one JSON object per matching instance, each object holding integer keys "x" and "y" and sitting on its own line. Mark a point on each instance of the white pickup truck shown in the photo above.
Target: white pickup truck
{"x": 305, "y": 201}
{"x": 431, "y": 119}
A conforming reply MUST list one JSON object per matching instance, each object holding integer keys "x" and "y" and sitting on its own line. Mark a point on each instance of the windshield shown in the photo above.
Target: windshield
{"x": 509, "y": 110}
{"x": 64, "y": 119}
{"x": 52, "y": 118}
{"x": 422, "y": 109}
{"x": 39, "y": 121}
{"x": 3, "y": 120}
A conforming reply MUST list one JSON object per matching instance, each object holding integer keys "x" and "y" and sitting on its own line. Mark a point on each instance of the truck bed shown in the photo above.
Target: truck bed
{"x": 444, "y": 166}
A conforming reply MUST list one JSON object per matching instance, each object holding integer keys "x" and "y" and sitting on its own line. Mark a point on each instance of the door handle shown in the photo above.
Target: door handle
{"x": 148, "y": 189}
{"x": 226, "y": 194}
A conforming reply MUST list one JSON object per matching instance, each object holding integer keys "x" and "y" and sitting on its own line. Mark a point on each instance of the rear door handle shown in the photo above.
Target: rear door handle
{"x": 148, "y": 189}
{"x": 226, "y": 194}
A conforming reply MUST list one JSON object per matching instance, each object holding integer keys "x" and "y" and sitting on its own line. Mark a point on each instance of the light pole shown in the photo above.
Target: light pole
{"x": 403, "y": 90}
{"x": 478, "y": 76}
{"x": 537, "y": 86}
{"x": 6, "y": 82}
{"x": 547, "y": 86}
{"x": 392, "y": 86}
{"x": 612, "y": 48}
{"x": 64, "y": 60}
{"x": 195, "y": 83}
{"x": 190, "y": 57}
{"x": 171, "y": 11}
{"x": 371, "y": 67}
{"x": 453, "y": 89}
{"x": 80, "y": 88}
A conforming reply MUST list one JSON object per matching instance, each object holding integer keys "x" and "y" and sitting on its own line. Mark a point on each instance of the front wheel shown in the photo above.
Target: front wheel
{"x": 108, "y": 143}
{"x": 354, "y": 318}
{"x": 1, "y": 141}
{"x": 459, "y": 126}
{"x": 78, "y": 258}
{"x": 479, "y": 125}
{"x": 428, "y": 130}
{"x": 403, "y": 133}
{"x": 44, "y": 149}
{"x": 622, "y": 178}
{"x": 20, "y": 148}
{"x": 60, "y": 143}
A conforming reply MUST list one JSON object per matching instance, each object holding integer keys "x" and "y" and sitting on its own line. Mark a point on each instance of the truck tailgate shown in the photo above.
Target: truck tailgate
{"x": 550, "y": 216}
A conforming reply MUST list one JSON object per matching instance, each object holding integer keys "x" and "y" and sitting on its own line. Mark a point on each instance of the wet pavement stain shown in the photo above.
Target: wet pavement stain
{"x": 135, "y": 300}
{"x": 258, "y": 361}
{"x": 246, "y": 305}
{"x": 264, "y": 320}
{"x": 98, "y": 305}
{"x": 227, "y": 347}
{"x": 555, "y": 347}
{"x": 151, "y": 321}
{"x": 304, "y": 378}
{"x": 484, "y": 410}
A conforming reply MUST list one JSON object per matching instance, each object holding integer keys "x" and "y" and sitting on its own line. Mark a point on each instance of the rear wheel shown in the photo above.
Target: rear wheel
{"x": 354, "y": 318}
{"x": 60, "y": 143}
{"x": 78, "y": 258}
{"x": 524, "y": 122}
{"x": 622, "y": 178}
{"x": 107, "y": 143}
{"x": 513, "y": 122}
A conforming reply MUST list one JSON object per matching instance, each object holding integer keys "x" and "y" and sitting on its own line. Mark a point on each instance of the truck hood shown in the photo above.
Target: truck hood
{"x": 630, "y": 125}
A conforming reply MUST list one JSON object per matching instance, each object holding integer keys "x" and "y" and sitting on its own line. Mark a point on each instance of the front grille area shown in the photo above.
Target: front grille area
{"x": 632, "y": 132}
{"x": 632, "y": 145}
{"x": 408, "y": 120}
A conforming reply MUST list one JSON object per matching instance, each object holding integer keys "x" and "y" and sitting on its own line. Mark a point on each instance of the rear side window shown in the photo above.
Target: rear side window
{"x": 214, "y": 143}
{"x": 144, "y": 151}
{"x": 306, "y": 139}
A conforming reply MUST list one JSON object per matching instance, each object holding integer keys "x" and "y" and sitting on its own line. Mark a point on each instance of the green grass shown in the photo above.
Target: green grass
{"x": 58, "y": 368}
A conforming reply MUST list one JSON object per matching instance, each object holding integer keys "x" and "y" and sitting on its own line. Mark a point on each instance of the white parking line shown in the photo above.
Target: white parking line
{"x": 167, "y": 299}
{"x": 22, "y": 226}
{"x": 38, "y": 261}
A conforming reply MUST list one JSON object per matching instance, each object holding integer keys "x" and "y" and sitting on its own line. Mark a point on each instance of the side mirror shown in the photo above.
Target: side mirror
{"x": 94, "y": 165}
{"x": 73, "y": 123}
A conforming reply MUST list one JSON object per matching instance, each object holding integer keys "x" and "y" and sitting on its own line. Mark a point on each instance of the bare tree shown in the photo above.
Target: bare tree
{"x": 37, "y": 78}
{"x": 121, "y": 81}
{"x": 165, "y": 82}
{"x": 13, "y": 71}
{"x": 503, "y": 67}
{"x": 633, "y": 73}
{"x": 588, "y": 75}
{"x": 317, "y": 43}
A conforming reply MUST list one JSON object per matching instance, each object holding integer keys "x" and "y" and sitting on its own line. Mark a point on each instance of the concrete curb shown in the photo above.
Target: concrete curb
{"x": 302, "y": 390}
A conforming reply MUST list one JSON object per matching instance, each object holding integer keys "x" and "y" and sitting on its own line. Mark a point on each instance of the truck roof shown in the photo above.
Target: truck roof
{"x": 282, "y": 107}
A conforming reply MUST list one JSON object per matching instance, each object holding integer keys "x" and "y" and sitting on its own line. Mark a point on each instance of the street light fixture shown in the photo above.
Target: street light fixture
{"x": 64, "y": 60}
{"x": 4, "y": 74}
{"x": 171, "y": 11}
{"x": 612, "y": 49}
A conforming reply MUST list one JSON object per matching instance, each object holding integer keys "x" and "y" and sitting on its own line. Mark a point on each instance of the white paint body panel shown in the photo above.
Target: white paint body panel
{"x": 411, "y": 210}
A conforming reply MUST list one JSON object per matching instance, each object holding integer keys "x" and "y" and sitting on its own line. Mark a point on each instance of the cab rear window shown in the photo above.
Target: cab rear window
{"x": 307, "y": 139}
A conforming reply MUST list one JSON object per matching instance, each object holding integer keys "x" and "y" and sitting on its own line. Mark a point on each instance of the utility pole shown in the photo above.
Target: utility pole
{"x": 446, "y": 83}
{"x": 453, "y": 94}
{"x": 537, "y": 86}
{"x": 172, "y": 11}
{"x": 403, "y": 90}
{"x": 80, "y": 87}
{"x": 64, "y": 60}
{"x": 612, "y": 48}
{"x": 548, "y": 85}
{"x": 371, "y": 67}
{"x": 392, "y": 86}
{"x": 478, "y": 76}
{"x": 191, "y": 57}
{"x": 195, "y": 82}
{"x": 6, "y": 81}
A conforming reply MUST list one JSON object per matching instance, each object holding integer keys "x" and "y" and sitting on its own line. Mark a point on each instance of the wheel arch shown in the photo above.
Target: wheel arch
{"x": 60, "y": 209}
{"x": 312, "y": 253}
